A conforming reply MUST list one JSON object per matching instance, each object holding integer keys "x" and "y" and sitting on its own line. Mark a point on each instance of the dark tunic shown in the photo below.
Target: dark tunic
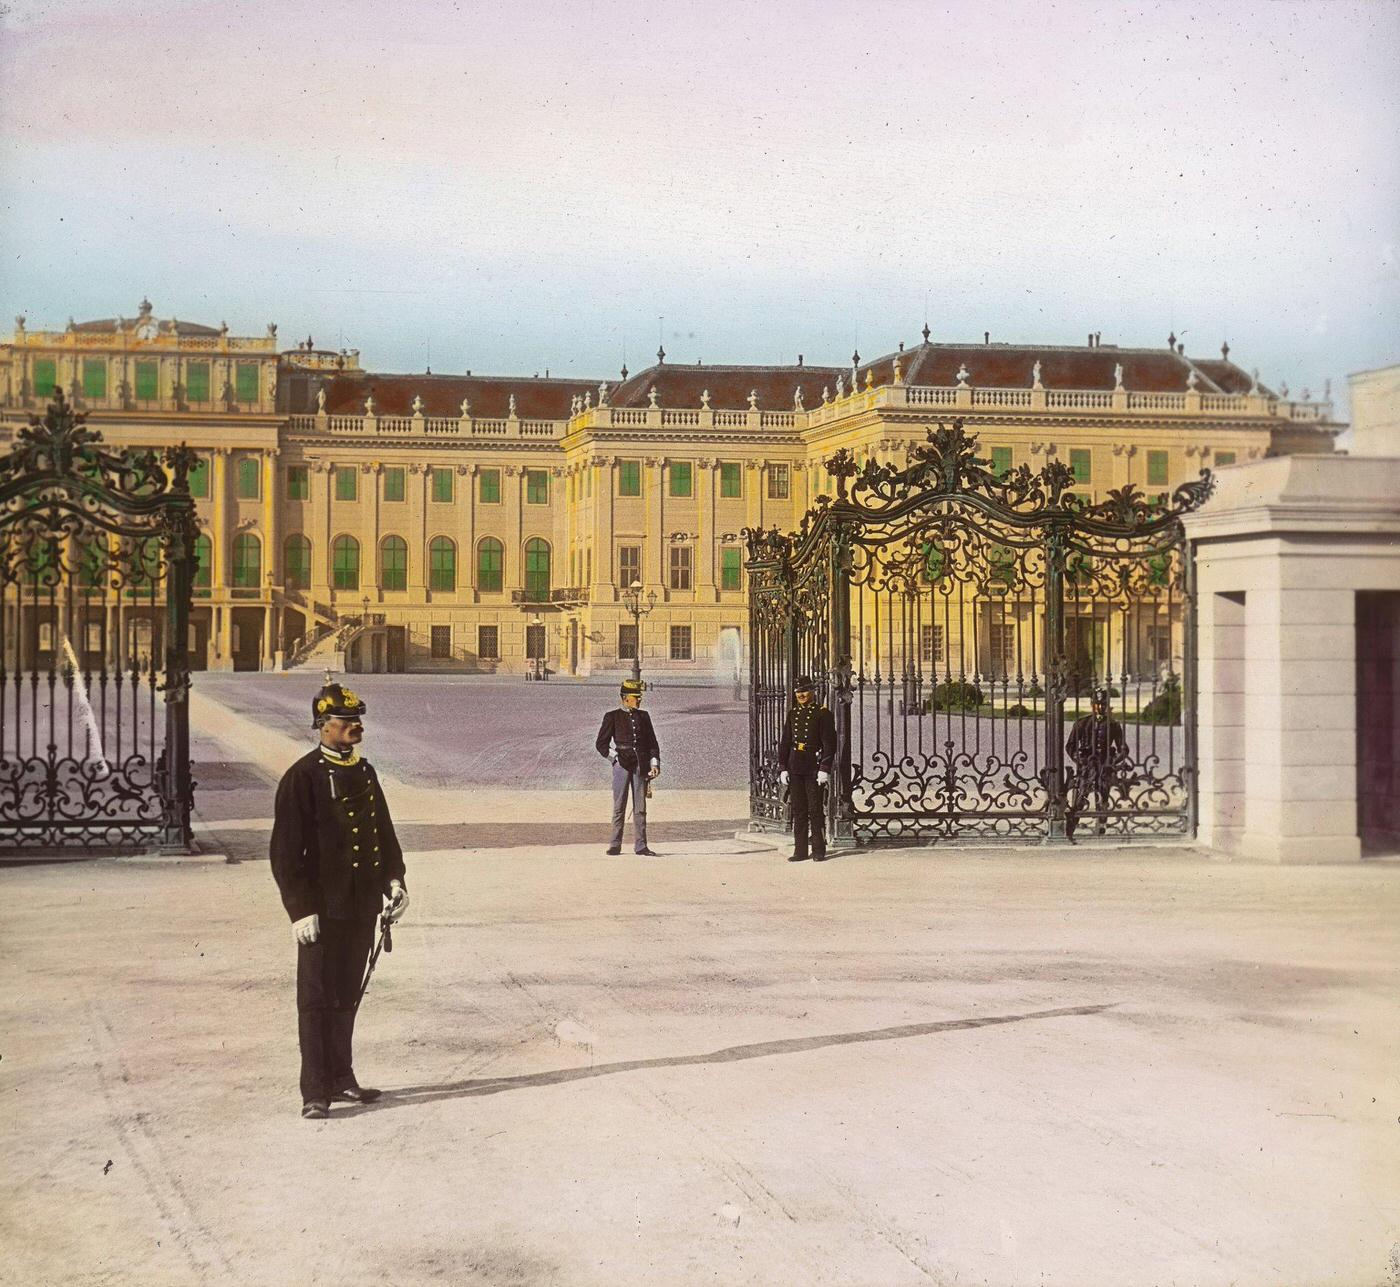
{"x": 333, "y": 850}
{"x": 808, "y": 743}
{"x": 1096, "y": 745}
{"x": 630, "y": 731}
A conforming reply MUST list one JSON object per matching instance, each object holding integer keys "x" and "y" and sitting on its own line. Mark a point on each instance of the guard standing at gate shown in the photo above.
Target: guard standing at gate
{"x": 1100, "y": 753}
{"x": 805, "y": 755}
{"x": 628, "y": 740}
{"x": 336, "y": 860}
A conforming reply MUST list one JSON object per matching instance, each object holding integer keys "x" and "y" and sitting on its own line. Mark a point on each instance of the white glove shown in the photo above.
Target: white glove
{"x": 612, "y": 755}
{"x": 398, "y": 900}
{"x": 308, "y": 929}
{"x": 823, "y": 777}
{"x": 783, "y": 778}
{"x": 655, "y": 769}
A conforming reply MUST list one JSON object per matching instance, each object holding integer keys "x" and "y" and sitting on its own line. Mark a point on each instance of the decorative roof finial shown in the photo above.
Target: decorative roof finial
{"x": 369, "y": 405}
{"x": 925, "y": 332}
{"x": 753, "y": 399}
{"x": 1225, "y": 351}
{"x": 1171, "y": 341}
{"x": 963, "y": 373}
{"x": 465, "y": 408}
{"x": 855, "y": 358}
{"x": 145, "y": 307}
{"x": 660, "y": 355}
{"x": 624, "y": 370}
{"x": 417, "y": 405}
{"x": 1191, "y": 378}
{"x": 651, "y": 397}
{"x": 704, "y": 399}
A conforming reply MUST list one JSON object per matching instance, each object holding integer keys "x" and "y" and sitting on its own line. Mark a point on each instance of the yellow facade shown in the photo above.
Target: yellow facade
{"x": 495, "y": 524}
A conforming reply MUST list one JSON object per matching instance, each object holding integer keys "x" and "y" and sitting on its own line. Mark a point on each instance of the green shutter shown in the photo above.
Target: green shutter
{"x": 147, "y": 381}
{"x": 489, "y": 555}
{"x": 629, "y": 478}
{"x": 197, "y": 382}
{"x": 345, "y": 482}
{"x": 730, "y": 480}
{"x": 536, "y": 487}
{"x": 442, "y": 485}
{"x": 442, "y": 564}
{"x": 246, "y": 389}
{"x": 536, "y": 570}
{"x": 1080, "y": 462}
{"x": 1157, "y": 468}
{"x": 296, "y": 559}
{"x": 1224, "y": 457}
{"x": 247, "y": 561}
{"x": 45, "y": 376}
{"x": 203, "y": 558}
{"x": 199, "y": 477}
{"x": 94, "y": 377}
{"x": 730, "y": 569}
{"x": 298, "y": 482}
{"x": 394, "y": 563}
{"x": 345, "y": 563}
{"x": 681, "y": 479}
{"x": 248, "y": 479}
{"x": 490, "y": 486}
{"x": 1001, "y": 460}
{"x": 393, "y": 483}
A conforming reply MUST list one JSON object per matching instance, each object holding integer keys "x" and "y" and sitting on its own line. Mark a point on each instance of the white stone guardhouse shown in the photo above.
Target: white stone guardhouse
{"x": 1298, "y": 588}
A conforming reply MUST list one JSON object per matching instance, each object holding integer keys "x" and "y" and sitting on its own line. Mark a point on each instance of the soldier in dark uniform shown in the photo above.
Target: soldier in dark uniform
{"x": 1100, "y": 753}
{"x": 629, "y": 741}
{"x": 805, "y": 756}
{"x": 335, "y": 859}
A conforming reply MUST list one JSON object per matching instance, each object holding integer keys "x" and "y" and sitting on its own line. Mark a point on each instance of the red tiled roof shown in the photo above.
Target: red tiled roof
{"x": 489, "y": 396}
{"x": 728, "y": 386}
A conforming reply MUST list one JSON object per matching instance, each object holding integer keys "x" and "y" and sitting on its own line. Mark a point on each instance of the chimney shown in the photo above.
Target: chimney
{"x": 799, "y": 359}
{"x": 986, "y": 337}
{"x": 1091, "y": 339}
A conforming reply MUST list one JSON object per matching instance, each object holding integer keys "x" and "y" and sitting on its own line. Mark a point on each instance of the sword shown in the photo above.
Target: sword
{"x": 386, "y": 944}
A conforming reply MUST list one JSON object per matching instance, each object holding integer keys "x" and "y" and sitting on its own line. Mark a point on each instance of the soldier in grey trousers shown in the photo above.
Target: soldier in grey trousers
{"x": 628, "y": 740}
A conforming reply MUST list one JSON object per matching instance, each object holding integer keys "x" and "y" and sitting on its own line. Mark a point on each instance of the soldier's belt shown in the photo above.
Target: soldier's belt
{"x": 802, "y": 746}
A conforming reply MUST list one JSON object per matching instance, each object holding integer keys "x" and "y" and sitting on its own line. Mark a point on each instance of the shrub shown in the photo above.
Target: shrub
{"x": 955, "y": 695}
{"x": 1019, "y": 709}
{"x": 1165, "y": 708}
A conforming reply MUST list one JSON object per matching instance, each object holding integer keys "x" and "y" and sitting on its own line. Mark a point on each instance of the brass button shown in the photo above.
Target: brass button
{"x": 355, "y": 830}
{"x": 354, "y": 864}
{"x": 357, "y": 850}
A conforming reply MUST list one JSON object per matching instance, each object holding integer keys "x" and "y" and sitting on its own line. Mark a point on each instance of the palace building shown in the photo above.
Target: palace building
{"x": 510, "y": 524}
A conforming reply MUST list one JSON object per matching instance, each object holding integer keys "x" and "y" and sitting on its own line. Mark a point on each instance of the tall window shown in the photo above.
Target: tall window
{"x": 537, "y": 569}
{"x": 94, "y": 377}
{"x": 931, "y": 644}
{"x": 345, "y": 563}
{"x": 296, "y": 562}
{"x": 731, "y": 568}
{"x": 345, "y": 482}
{"x": 490, "y": 558}
{"x": 246, "y": 387}
{"x": 45, "y": 376}
{"x": 680, "y": 643}
{"x": 629, "y": 564}
{"x": 203, "y": 563}
{"x": 1156, "y": 468}
{"x": 393, "y": 563}
{"x": 1081, "y": 463}
{"x": 440, "y": 642}
{"x": 247, "y": 561}
{"x": 1224, "y": 457}
{"x": 627, "y": 642}
{"x": 197, "y": 382}
{"x": 298, "y": 482}
{"x": 680, "y": 567}
{"x": 248, "y": 478}
{"x": 779, "y": 483}
{"x": 199, "y": 477}
{"x": 442, "y": 564}
{"x": 147, "y": 381}
{"x": 442, "y": 485}
{"x": 682, "y": 478}
{"x": 489, "y": 486}
{"x": 629, "y": 478}
{"x": 1002, "y": 642}
{"x": 1001, "y": 460}
{"x": 393, "y": 483}
{"x": 488, "y": 643}
{"x": 536, "y": 487}
{"x": 731, "y": 479}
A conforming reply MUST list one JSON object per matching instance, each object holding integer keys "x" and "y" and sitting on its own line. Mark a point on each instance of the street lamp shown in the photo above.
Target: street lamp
{"x": 632, "y": 602}
{"x": 364, "y": 616}
{"x": 537, "y": 623}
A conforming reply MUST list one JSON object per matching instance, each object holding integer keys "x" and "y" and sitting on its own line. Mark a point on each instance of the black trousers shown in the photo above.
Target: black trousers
{"x": 808, "y": 812}
{"x": 1090, "y": 782}
{"x": 329, "y": 973}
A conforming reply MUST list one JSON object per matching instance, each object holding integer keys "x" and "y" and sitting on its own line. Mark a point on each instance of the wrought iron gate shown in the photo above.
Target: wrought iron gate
{"x": 96, "y": 571}
{"x": 957, "y": 621}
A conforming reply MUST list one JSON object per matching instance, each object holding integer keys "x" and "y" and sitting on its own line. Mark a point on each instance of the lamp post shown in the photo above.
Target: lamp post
{"x": 364, "y": 615}
{"x": 537, "y": 623}
{"x": 633, "y": 602}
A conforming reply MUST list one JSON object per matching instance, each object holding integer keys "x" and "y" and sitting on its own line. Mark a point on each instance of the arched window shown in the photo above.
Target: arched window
{"x": 247, "y": 561}
{"x": 442, "y": 564}
{"x": 490, "y": 559}
{"x": 203, "y": 561}
{"x": 296, "y": 562}
{"x": 537, "y": 570}
{"x": 345, "y": 563}
{"x": 393, "y": 563}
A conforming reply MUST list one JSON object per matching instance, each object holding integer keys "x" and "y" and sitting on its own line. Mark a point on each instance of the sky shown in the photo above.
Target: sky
{"x": 514, "y": 188}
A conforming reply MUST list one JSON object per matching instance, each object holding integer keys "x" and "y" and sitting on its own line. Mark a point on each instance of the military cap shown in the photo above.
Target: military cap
{"x": 804, "y": 684}
{"x": 1099, "y": 697}
{"x": 632, "y": 688}
{"x": 336, "y": 702}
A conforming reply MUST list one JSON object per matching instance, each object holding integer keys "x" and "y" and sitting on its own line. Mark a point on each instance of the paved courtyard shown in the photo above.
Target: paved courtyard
{"x": 1103, "y": 1068}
